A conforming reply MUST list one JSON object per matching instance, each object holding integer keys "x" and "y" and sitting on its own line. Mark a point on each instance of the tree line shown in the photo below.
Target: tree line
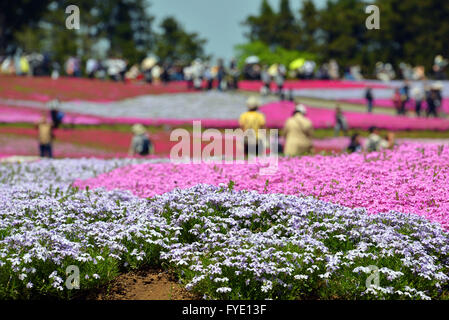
{"x": 411, "y": 31}
{"x": 118, "y": 28}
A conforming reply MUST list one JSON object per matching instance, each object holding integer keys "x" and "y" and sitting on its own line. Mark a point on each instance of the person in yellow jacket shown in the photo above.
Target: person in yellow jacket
{"x": 298, "y": 131}
{"x": 252, "y": 120}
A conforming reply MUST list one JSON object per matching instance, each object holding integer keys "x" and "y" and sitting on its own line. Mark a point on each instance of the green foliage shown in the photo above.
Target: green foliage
{"x": 16, "y": 15}
{"x": 269, "y": 56}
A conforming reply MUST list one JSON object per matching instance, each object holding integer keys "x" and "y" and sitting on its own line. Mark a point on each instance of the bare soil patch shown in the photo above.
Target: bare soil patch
{"x": 151, "y": 284}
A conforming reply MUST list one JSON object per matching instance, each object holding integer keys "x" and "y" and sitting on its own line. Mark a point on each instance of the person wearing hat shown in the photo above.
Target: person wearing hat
{"x": 141, "y": 143}
{"x": 252, "y": 120}
{"x": 298, "y": 131}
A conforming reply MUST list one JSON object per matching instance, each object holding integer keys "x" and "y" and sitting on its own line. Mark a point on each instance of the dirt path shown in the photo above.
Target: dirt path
{"x": 144, "y": 285}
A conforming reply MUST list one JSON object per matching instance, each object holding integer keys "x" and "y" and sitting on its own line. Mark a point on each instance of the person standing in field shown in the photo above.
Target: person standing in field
{"x": 397, "y": 101}
{"x": 280, "y": 80}
{"x": 369, "y": 99}
{"x": 250, "y": 122}
{"x": 298, "y": 131}
{"x": 45, "y": 137}
{"x": 140, "y": 143}
{"x": 434, "y": 100}
{"x": 340, "y": 122}
{"x": 266, "y": 80}
{"x": 405, "y": 96}
{"x": 234, "y": 74}
{"x": 418, "y": 96}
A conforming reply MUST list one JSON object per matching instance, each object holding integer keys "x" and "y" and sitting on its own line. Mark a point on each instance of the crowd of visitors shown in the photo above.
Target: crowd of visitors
{"x": 153, "y": 69}
{"x": 150, "y": 70}
{"x": 219, "y": 76}
{"x": 298, "y": 132}
{"x": 421, "y": 96}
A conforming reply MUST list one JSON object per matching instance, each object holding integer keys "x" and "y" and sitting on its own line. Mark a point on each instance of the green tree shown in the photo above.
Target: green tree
{"x": 127, "y": 26}
{"x": 413, "y": 31}
{"x": 310, "y": 26}
{"x": 16, "y": 15}
{"x": 287, "y": 30}
{"x": 343, "y": 31}
{"x": 175, "y": 44}
{"x": 262, "y": 27}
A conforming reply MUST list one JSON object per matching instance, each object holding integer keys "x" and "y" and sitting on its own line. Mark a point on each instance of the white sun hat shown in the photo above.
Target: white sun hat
{"x": 138, "y": 129}
{"x": 253, "y": 102}
{"x": 301, "y": 108}
{"x": 438, "y": 85}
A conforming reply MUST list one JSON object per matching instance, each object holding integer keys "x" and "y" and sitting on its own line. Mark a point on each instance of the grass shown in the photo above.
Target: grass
{"x": 318, "y": 133}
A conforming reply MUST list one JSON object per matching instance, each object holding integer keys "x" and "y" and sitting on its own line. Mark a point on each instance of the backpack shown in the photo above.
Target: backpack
{"x": 60, "y": 116}
{"x": 145, "y": 147}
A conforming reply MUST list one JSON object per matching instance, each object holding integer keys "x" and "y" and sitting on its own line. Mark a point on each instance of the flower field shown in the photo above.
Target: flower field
{"x": 278, "y": 112}
{"x": 411, "y": 179}
{"x": 69, "y": 89}
{"x": 311, "y": 231}
{"x": 223, "y": 113}
{"x": 92, "y": 102}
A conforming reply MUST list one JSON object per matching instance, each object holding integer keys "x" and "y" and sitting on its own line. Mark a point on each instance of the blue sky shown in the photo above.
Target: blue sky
{"x": 218, "y": 21}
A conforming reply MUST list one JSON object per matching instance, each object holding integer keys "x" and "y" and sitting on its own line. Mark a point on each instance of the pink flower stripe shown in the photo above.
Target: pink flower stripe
{"x": 278, "y": 112}
{"x": 43, "y": 89}
{"x": 413, "y": 178}
{"x": 31, "y": 115}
